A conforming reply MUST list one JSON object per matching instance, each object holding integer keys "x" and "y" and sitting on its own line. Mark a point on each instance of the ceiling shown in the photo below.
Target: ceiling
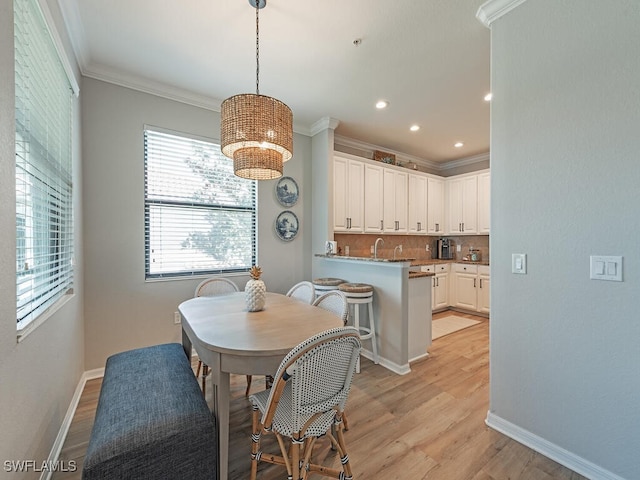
{"x": 428, "y": 58}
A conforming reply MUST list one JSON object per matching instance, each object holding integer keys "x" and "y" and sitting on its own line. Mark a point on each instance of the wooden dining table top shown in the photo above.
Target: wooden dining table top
{"x": 222, "y": 323}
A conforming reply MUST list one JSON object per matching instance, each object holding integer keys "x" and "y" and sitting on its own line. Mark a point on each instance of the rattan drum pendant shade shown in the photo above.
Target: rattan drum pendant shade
{"x": 256, "y": 131}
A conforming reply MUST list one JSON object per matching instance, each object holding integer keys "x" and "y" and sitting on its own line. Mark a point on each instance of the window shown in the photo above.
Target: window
{"x": 199, "y": 217}
{"x": 44, "y": 220}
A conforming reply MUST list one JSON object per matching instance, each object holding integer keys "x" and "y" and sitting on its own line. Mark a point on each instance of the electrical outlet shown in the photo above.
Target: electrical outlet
{"x": 427, "y": 247}
{"x": 177, "y": 319}
{"x": 458, "y": 248}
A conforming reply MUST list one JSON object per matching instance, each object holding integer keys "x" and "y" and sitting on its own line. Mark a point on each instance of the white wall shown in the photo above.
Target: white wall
{"x": 38, "y": 376}
{"x": 565, "y": 126}
{"x": 122, "y": 311}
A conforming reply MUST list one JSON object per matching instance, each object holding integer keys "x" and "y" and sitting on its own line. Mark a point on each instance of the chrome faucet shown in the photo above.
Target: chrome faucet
{"x": 375, "y": 247}
{"x": 395, "y": 249}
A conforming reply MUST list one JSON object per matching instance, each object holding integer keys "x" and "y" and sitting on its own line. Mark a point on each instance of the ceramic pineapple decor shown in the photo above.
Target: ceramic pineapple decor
{"x": 255, "y": 290}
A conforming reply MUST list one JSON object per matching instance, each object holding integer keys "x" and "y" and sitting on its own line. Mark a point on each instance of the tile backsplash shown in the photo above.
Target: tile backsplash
{"x": 413, "y": 246}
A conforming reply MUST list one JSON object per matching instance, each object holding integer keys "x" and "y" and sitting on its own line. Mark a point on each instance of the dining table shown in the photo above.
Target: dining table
{"x": 231, "y": 340}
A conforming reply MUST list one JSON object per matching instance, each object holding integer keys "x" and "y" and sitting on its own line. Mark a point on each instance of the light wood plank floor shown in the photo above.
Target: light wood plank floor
{"x": 428, "y": 424}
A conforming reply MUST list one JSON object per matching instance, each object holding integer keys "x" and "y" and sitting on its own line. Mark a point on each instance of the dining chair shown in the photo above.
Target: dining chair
{"x": 310, "y": 390}
{"x": 211, "y": 287}
{"x": 335, "y": 302}
{"x": 303, "y": 291}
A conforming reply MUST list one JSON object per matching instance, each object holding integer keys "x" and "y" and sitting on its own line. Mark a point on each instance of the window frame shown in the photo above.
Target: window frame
{"x": 196, "y": 206}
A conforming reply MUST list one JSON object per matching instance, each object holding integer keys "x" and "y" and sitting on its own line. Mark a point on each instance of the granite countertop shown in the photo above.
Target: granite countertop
{"x": 366, "y": 259}
{"x": 437, "y": 261}
{"x": 421, "y": 274}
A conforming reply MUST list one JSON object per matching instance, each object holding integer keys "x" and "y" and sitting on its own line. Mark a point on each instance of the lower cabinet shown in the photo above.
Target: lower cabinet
{"x": 470, "y": 287}
{"x": 439, "y": 285}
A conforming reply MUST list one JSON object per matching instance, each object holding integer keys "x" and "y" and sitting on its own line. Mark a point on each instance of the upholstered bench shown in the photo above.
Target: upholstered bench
{"x": 152, "y": 421}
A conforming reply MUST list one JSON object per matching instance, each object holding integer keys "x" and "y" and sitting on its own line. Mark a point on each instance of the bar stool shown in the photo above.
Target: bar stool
{"x": 362, "y": 294}
{"x": 324, "y": 285}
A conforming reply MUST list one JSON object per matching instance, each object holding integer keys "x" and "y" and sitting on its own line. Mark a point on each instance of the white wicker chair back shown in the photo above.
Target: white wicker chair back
{"x": 303, "y": 291}
{"x": 335, "y": 302}
{"x": 215, "y": 286}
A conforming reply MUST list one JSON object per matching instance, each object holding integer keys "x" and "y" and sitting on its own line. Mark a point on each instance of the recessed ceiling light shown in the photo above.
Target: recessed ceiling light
{"x": 414, "y": 128}
{"x": 458, "y": 144}
{"x": 487, "y": 97}
{"x": 382, "y": 104}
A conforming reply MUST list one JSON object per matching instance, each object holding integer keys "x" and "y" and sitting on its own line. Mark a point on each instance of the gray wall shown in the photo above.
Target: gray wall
{"x": 566, "y": 184}
{"x": 122, "y": 310}
{"x": 38, "y": 376}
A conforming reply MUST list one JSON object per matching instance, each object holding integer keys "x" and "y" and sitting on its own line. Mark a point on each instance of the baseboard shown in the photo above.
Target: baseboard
{"x": 54, "y": 454}
{"x": 550, "y": 450}
{"x": 388, "y": 364}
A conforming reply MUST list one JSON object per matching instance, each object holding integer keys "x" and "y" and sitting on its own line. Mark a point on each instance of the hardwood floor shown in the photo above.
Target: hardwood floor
{"x": 428, "y": 424}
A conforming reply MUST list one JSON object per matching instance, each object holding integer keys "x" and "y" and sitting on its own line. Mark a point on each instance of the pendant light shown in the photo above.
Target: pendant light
{"x": 256, "y": 130}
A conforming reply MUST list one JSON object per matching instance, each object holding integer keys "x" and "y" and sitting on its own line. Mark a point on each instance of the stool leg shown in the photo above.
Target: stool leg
{"x": 372, "y": 326}
{"x": 356, "y": 323}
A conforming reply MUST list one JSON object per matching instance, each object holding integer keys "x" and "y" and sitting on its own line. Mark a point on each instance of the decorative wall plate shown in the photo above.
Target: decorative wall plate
{"x": 287, "y": 225}
{"x": 287, "y": 191}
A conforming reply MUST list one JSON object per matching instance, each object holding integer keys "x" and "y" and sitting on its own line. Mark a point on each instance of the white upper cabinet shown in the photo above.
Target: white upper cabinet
{"x": 395, "y": 201}
{"x": 417, "y": 204}
{"x": 463, "y": 205}
{"x": 484, "y": 202}
{"x": 348, "y": 195}
{"x": 373, "y": 198}
{"x": 435, "y": 206}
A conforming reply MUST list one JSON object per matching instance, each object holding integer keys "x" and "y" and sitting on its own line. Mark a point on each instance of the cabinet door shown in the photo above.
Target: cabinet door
{"x": 484, "y": 202}
{"x": 484, "y": 286}
{"x": 454, "y": 189}
{"x": 441, "y": 292}
{"x": 417, "y": 213}
{"x": 435, "y": 206}
{"x": 395, "y": 201}
{"x": 402, "y": 200}
{"x": 465, "y": 287}
{"x": 470, "y": 204}
{"x": 340, "y": 215}
{"x": 373, "y": 194}
{"x": 355, "y": 196}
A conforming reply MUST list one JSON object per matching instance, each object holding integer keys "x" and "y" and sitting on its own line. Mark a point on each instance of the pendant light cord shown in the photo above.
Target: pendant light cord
{"x": 257, "y": 48}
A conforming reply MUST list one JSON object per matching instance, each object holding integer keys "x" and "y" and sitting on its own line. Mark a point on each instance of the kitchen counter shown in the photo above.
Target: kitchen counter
{"x": 365, "y": 259}
{"x": 415, "y": 262}
{"x": 420, "y": 274}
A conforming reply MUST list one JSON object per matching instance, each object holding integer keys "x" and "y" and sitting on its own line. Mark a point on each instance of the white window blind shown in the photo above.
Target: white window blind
{"x": 199, "y": 217}
{"x": 44, "y": 221}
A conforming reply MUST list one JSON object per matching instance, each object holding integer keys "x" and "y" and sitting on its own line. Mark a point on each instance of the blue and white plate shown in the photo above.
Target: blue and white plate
{"x": 287, "y": 225}
{"x": 287, "y": 191}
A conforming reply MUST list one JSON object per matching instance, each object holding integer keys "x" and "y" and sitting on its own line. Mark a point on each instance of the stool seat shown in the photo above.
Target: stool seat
{"x": 328, "y": 282}
{"x": 355, "y": 288}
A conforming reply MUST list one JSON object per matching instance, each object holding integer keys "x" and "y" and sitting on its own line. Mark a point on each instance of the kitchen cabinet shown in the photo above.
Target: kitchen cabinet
{"x": 471, "y": 287}
{"x": 484, "y": 287}
{"x": 417, "y": 214}
{"x": 348, "y": 195}
{"x": 374, "y": 201}
{"x": 439, "y": 285}
{"x": 395, "y": 200}
{"x": 435, "y": 206}
{"x": 463, "y": 205}
{"x": 484, "y": 202}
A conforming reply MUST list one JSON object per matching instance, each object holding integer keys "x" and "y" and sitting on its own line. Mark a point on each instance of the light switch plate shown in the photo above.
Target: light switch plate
{"x": 603, "y": 267}
{"x": 519, "y": 263}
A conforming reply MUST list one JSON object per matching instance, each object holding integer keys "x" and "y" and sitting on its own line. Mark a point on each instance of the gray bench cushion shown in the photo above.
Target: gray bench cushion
{"x": 152, "y": 421}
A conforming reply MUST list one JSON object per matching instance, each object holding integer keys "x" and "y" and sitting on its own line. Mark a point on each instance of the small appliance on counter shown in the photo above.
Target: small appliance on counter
{"x": 444, "y": 249}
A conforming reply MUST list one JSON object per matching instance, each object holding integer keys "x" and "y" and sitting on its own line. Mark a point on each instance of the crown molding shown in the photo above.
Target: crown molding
{"x": 323, "y": 124}
{"x": 492, "y": 10}
{"x": 463, "y": 162}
